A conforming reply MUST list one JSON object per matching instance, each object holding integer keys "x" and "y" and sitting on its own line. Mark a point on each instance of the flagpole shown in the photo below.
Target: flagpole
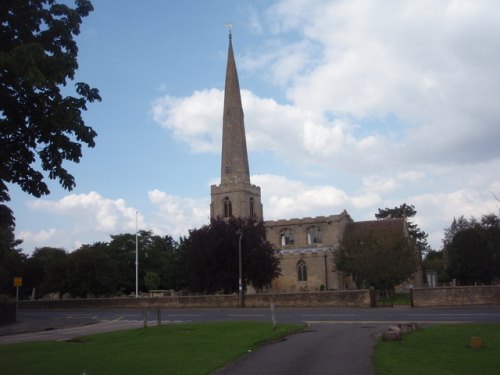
{"x": 136, "y": 258}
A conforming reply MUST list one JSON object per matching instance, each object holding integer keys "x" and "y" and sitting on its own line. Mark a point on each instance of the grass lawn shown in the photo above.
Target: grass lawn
{"x": 441, "y": 349}
{"x": 169, "y": 349}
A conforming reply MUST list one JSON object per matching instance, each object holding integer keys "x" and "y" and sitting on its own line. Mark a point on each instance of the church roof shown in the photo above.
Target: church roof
{"x": 363, "y": 227}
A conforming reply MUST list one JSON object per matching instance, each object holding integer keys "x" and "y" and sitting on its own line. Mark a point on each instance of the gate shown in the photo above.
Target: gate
{"x": 381, "y": 298}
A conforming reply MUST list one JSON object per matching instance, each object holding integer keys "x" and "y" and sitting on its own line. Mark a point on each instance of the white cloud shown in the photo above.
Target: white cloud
{"x": 44, "y": 237}
{"x": 432, "y": 65}
{"x": 175, "y": 215}
{"x": 285, "y": 198}
{"x": 195, "y": 120}
{"x": 91, "y": 211}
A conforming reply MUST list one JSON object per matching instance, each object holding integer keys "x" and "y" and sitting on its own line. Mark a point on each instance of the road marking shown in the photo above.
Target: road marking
{"x": 245, "y": 315}
{"x": 454, "y": 314}
{"x": 327, "y": 315}
{"x": 390, "y": 322}
{"x": 118, "y": 319}
{"x": 188, "y": 315}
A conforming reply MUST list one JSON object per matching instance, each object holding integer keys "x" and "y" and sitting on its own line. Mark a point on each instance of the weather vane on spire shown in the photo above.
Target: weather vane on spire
{"x": 229, "y": 26}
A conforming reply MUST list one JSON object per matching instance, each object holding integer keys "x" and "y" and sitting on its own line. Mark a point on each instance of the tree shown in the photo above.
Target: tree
{"x": 473, "y": 252}
{"x": 48, "y": 271}
{"x": 378, "y": 256}
{"x": 211, "y": 256}
{"x": 407, "y": 211}
{"x": 151, "y": 280}
{"x": 12, "y": 260}
{"x": 92, "y": 271}
{"x": 40, "y": 127}
{"x": 157, "y": 254}
{"x": 457, "y": 225}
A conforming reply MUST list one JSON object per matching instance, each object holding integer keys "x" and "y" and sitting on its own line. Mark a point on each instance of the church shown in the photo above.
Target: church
{"x": 306, "y": 247}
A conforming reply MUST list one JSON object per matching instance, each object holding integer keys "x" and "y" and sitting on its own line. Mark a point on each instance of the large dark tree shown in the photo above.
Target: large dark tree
{"x": 41, "y": 125}
{"x": 407, "y": 211}
{"x": 457, "y": 225}
{"x": 211, "y": 256}
{"x": 47, "y": 271}
{"x": 92, "y": 272}
{"x": 473, "y": 252}
{"x": 157, "y": 254}
{"x": 382, "y": 257}
{"x": 11, "y": 257}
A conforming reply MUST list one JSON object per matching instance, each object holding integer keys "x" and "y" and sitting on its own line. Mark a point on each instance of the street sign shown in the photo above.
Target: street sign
{"x": 18, "y": 281}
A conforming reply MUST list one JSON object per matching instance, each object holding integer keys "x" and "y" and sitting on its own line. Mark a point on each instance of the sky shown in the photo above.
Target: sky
{"x": 354, "y": 105}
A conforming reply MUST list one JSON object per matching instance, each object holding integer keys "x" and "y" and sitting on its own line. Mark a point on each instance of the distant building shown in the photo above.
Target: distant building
{"x": 307, "y": 246}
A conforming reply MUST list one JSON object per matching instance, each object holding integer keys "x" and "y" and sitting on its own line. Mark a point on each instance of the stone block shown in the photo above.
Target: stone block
{"x": 476, "y": 342}
{"x": 391, "y": 335}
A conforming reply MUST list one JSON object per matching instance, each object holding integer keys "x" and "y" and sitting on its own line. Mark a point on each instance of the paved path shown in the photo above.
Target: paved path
{"x": 59, "y": 334}
{"x": 322, "y": 349}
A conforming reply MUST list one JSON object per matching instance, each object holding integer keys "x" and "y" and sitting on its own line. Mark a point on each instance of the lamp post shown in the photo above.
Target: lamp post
{"x": 239, "y": 232}
{"x": 136, "y": 258}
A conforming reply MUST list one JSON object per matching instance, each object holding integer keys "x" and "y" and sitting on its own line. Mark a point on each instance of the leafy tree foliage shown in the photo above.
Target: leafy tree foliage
{"x": 407, "y": 211}
{"x": 381, "y": 257}
{"x": 47, "y": 271}
{"x": 457, "y": 225}
{"x": 211, "y": 256}
{"x": 11, "y": 258}
{"x": 473, "y": 253}
{"x": 151, "y": 280}
{"x": 101, "y": 269}
{"x": 39, "y": 125}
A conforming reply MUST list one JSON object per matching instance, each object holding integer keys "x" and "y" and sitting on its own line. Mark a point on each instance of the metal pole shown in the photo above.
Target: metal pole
{"x": 136, "y": 259}
{"x": 240, "y": 283}
{"x": 17, "y": 300}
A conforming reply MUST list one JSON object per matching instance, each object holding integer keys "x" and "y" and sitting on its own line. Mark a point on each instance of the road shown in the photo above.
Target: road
{"x": 483, "y": 314}
{"x": 49, "y": 324}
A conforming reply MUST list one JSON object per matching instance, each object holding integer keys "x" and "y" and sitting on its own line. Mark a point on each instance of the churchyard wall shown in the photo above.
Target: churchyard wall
{"x": 456, "y": 296}
{"x": 351, "y": 298}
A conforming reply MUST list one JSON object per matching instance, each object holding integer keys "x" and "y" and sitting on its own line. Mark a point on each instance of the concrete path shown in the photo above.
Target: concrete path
{"x": 67, "y": 333}
{"x": 322, "y": 349}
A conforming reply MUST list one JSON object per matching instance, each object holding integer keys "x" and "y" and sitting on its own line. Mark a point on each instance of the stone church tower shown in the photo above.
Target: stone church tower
{"x": 235, "y": 196}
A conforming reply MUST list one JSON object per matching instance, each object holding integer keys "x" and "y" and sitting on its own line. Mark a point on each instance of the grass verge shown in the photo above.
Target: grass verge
{"x": 441, "y": 349}
{"x": 169, "y": 349}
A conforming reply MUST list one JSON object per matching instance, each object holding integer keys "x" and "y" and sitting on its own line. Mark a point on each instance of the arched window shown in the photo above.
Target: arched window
{"x": 313, "y": 235}
{"x": 228, "y": 208}
{"x": 301, "y": 271}
{"x": 252, "y": 212}
{"x": 286, "y": 237}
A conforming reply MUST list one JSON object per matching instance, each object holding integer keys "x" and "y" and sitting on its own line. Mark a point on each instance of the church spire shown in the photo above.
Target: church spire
{"x": 234, "y": 161}
{"x": 235, "y": 196}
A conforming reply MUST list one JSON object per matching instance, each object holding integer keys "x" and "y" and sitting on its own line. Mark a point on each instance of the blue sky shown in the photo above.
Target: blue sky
{"x": 354, "y": 105}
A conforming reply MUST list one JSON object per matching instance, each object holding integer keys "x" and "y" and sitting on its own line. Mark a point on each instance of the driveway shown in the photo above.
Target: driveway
{"x": 321, "y": 349}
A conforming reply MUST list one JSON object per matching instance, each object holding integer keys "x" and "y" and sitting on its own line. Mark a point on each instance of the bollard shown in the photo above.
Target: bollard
{"x": 145, "y": 318}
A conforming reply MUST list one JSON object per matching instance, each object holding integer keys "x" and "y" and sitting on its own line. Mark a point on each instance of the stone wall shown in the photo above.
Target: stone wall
{"x": 344, "y": 298}
{"x": 456, "y": 296}
{"x": 353, "y": 298}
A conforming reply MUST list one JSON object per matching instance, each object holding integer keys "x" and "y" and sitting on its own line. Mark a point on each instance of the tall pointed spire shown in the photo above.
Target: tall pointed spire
{"x": 235, "y": 196}
{"x": 234, "y": 162}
